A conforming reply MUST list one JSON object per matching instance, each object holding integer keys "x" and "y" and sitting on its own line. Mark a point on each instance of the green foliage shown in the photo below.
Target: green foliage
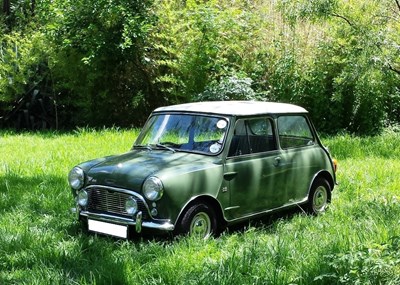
{"x": 112, "y": 62}
{"x": 376, "y": 264}
{"x": 297, "y": 10}
{"x": 204, "y": 42}
{"x": 99, "y": 59}
{"x": 23, "y": 63}
{"x": 229, "y": 88}
{"x": 345, "y": 83}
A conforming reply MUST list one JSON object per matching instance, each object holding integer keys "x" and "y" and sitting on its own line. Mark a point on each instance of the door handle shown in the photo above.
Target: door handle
{"x": 277, "y": 161}
{"x": 229, "y": 175}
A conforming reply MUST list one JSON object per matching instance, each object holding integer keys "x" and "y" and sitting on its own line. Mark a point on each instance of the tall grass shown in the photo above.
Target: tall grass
{"x": 356, "y": 242}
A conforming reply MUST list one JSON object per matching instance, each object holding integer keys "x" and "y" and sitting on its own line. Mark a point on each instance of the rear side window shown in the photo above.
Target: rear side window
{"x": 294, "y": 131}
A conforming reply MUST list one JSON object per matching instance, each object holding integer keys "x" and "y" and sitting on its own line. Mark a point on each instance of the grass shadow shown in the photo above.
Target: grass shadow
{"x": 267, "y": 221}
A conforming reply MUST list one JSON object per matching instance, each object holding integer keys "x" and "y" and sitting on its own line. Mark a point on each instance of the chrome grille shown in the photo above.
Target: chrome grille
{"x": 107, "y": 200}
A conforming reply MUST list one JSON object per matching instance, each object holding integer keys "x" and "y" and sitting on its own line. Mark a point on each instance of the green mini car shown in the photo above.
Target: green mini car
{"x": 196, "y": 168}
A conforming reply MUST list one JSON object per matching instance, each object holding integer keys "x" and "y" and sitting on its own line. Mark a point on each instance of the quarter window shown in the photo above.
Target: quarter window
{"x": 294, "y": 131}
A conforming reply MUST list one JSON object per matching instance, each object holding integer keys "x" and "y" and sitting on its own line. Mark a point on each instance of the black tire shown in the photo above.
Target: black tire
{"x": 199, "y": 221}
{"x": 319, "y": 197}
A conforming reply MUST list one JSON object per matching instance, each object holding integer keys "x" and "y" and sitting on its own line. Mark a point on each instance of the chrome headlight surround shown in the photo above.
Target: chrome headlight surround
{"x": 82, "y": 198}
{"x": 153, "y": 188}
{"x": 76, "y": 178}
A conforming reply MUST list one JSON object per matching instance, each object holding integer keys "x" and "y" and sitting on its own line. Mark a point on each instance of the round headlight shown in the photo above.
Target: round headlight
{"x": 76, "y": 178}
{"x": 82, "y": 198}
{"x": 131, "y": 206}
{"x": 153, "y": 188}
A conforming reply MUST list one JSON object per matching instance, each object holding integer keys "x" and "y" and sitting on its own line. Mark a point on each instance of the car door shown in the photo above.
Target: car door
{"x": 301, "y": 154}
{"x": 253, "y": 174}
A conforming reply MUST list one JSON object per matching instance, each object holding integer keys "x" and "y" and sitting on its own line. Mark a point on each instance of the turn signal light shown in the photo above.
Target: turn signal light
{"x": 335, "y": 164}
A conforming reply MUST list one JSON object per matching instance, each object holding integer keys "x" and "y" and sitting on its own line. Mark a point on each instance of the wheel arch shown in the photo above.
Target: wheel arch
{"x": 325, "y": 175}
{"x": 208, "y": 200}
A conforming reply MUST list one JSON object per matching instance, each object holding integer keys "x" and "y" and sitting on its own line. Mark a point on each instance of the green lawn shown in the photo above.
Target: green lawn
{"x": 356, "y": 242}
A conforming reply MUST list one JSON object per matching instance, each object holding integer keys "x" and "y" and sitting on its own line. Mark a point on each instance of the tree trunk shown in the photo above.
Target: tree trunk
{"x": 6, "y": 7}
{"x": 33, "y": 5}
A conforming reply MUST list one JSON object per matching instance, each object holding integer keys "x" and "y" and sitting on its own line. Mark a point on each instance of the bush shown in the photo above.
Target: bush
{"x": 229, "y": 88}
{"x": 112, "y": 62}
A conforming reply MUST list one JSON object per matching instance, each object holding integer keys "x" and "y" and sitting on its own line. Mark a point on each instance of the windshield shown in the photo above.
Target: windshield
{"x": 184, "y": 132}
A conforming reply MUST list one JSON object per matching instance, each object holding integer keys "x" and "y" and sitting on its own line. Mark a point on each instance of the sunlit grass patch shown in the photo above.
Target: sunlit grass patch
{"x": 348, "y": 146}
{"x": 355, "y": 241}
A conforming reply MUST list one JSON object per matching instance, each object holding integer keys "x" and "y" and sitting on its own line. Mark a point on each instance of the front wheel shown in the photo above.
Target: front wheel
{"x": 199, "y": 221}
{"x": 319, "y": 197}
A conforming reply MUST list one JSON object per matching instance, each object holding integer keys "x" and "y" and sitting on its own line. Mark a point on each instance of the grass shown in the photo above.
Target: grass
{"x": 356, "y": 242}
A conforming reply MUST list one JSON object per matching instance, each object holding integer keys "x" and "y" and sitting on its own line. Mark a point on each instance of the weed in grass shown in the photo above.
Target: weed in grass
{"x": 377, "y": 264}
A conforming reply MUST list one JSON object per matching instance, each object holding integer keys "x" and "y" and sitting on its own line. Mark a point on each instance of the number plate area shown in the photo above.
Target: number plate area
{"x": 108, "y": 229}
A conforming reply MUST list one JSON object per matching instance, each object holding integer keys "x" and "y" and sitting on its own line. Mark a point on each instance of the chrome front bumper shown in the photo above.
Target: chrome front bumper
{"x": 136, "y": 221}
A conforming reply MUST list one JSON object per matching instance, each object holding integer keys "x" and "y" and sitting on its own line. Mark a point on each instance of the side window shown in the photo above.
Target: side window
{"x": 294, "y": 131}
{"x": 252, "y": 136}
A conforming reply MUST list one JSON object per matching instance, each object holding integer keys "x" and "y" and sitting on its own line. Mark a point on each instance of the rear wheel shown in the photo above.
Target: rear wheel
{"x": 199, "y": 221}
{"x": 319, "y": 197}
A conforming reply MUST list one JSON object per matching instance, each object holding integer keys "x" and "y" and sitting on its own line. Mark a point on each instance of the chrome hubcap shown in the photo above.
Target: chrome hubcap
{"x": 200, "y": 225}
{"x": 320, "y": 199}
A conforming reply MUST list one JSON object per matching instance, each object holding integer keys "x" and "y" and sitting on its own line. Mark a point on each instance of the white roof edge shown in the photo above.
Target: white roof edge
{"x": 237, "y": 108}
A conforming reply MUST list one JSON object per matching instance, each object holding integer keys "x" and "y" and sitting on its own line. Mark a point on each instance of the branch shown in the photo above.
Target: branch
{"x": 394, "y": 69}
{"x": 344, "y": 18}
{"x": 398, "y": 4}
{"x": 33, "y": 6}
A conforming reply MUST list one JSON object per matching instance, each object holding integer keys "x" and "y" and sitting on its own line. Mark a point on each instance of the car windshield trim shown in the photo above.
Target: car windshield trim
{"x": 193, "y": 133}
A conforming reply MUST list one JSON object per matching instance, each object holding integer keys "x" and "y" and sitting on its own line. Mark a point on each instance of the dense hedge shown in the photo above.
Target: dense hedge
{"x": 70, "y": 63}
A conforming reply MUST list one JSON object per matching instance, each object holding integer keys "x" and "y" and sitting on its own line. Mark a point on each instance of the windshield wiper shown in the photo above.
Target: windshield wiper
{"x": 143, "y": 146}
{"x": 166, "y": 147}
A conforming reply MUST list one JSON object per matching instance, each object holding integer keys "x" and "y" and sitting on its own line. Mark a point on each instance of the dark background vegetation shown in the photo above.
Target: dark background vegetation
{"x": 67, "y": 63}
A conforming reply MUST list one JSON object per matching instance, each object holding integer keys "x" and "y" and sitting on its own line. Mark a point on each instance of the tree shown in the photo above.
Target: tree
{"x": 99, "y": 59}
{"x": 349, "y": 69}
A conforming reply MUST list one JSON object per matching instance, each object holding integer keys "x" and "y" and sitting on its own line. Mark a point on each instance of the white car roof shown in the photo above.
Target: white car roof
{"x": 236, "y": 108}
